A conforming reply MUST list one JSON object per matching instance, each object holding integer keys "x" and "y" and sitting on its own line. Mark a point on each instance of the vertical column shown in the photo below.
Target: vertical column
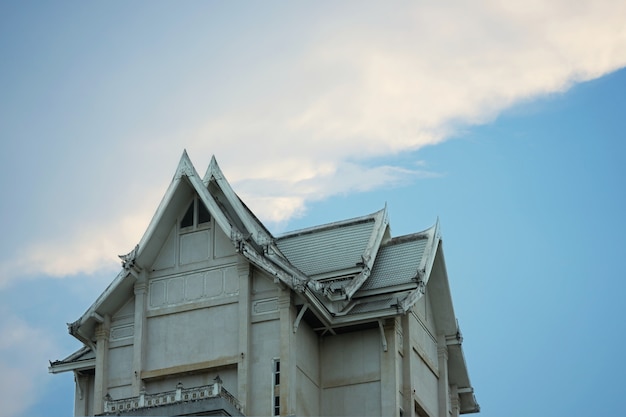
{"x": 407, "y": 404}
{"x": 141, "y": 289}
{"x": 245, "y": 273}
{"x": 287, "y": 354}
{"x": 455, "y": 404}
{"x": 102, "y": 353}
{"x": 389, "y": 384}
{"x": 444, "y": 393}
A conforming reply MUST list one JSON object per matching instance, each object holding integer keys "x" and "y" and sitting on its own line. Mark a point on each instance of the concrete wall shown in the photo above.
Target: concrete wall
{"x": 265, "y": 347}
{"x": 193, "y": 336}
{"x": 307, "y": 371}
{"x": 120, "y": 357}
{"x": 350, "y": 374}
{"x": 424, "y": 368}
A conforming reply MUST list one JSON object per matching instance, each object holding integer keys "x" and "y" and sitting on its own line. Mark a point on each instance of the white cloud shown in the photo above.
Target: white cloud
{"x": 23, "y": 355}
{"x": 92, "y": 247}
{"x": 409, "y": 80}
{"x": 368, "y": 81}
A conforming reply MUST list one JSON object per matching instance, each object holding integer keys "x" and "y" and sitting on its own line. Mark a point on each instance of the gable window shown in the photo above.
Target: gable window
{"x": 197, "y": 215}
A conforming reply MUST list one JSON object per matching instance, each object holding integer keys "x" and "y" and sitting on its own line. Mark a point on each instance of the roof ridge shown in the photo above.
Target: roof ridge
{"x": 329, "y": 226}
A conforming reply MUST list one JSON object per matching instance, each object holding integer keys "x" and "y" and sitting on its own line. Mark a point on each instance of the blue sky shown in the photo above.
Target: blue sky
{"x": 505, "y": 122}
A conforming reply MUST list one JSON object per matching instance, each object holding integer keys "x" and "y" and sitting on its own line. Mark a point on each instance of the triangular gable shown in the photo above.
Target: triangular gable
{"x": 236, "y": 221}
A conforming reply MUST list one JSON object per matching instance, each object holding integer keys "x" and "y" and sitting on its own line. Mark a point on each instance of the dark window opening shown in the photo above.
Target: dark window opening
{"x": 203, "y": 213}
{"x": 276, "y": 406}
{"x": 276, "y": 390}
{"x": 197, "y": 214}
{"x": 277, "y": 373}
{"x": 187, "y": 220}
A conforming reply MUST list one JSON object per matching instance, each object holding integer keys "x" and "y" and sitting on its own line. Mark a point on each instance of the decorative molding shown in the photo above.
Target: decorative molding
{"x": 265, "y": 306}
{"x": 185, "y": 167}
{"x": 122, "y": 332}
{"x": 190, "y": 288}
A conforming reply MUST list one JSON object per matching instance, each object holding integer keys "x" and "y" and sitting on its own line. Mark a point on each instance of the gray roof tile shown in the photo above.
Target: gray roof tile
{"x": 396, "y": 263}
{"x": 327, "y": 249}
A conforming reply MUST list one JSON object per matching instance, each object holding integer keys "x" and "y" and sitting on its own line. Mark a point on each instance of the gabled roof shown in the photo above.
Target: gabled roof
{"x": 346, "y": 272}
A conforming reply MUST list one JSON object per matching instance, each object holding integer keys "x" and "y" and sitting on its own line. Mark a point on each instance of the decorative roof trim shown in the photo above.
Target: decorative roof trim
{"x": 425, "y": 268}
{"x": 369, "y": 256}
{"x": 185, "y": 167}
{"x": 253, "y": 226}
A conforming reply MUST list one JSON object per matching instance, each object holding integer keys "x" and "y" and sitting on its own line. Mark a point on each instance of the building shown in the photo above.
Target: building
{"x": 213, "y": 315}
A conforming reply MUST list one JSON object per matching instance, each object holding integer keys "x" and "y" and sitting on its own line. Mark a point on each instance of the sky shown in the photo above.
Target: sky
{"x": 504, "y": 121}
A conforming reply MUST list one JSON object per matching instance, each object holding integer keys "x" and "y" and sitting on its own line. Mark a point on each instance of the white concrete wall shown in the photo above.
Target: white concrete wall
{"x": 120, "y": 364}
{"x": 307, "y": 371}
{"x": 350, "y": 374}
{"x": 192, "y": 336}
{"x": 265, "y": 347}
{"x": 424, "y": 372}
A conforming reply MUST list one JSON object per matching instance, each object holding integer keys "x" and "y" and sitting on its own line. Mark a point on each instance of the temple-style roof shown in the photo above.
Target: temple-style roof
{"x": 347, "y": 271}
{"x": 351, "y": 272}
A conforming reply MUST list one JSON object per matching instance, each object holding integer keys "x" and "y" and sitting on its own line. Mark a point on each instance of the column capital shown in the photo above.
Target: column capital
{"x": 140, "y": 287}
{"x": 243, "y": 268}
{"x": 102, "y": 333}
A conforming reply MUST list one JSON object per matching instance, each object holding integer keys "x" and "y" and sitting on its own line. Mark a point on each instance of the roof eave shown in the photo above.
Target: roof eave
{"x": 60, "y": 367}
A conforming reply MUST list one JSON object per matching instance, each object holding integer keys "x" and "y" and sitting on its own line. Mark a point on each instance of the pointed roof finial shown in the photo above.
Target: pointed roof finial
{"x": 212, "y": 171}
{"x": 185, "y": 167}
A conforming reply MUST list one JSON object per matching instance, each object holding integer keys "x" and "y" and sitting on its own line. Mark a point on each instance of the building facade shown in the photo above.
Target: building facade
{"x": 213, "y": 315}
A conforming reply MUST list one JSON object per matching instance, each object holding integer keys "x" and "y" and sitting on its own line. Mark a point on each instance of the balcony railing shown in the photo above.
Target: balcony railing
{"x": 179, "y": 395}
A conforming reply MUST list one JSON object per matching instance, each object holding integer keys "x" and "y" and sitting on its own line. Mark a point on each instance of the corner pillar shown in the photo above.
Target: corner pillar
{"x": 407, "y": 388}
{"x": 141, "y": 289}
{"x": 389, "y": 364}
{"x": 287, "y": 354}
{"x": 455, "y": 401}
{"x": 444, "y": 388}
{"x": 103, "y": 331}
{"x": 245, "y": 273}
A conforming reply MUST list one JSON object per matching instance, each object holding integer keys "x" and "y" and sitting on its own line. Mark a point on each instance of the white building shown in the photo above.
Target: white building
{"x": 213, "y": 315}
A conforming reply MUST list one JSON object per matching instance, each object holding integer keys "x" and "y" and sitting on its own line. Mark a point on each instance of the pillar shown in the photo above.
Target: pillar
{"x": 444, "y": 393}
{"x": 140, "y": 324}
{"x": 389, "y": 378}
{"x": 287, "y": 354}
{"x": 243, "y": 395}
{"x": 407, "y": 392}
{"x": 103, "y": 331}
